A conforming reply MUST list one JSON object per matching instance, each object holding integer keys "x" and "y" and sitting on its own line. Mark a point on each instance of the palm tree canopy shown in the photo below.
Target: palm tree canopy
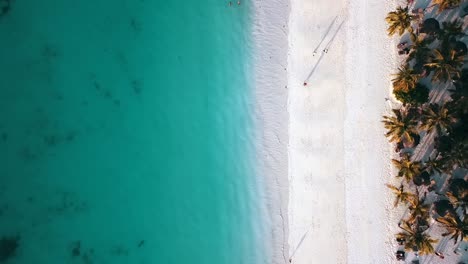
{"x": 446, "y": 4}
{"x": 405, "y": 79}
{"x": 433, "y": 166}
{"x": 400, "y": 126}
{"x": 443, "y": 207}
{"x": 460, "y": 129}
{"x": 430, "y": 26}
{"x": 407, "y": 168}
{"x": 451, "y": 29}
{"x": 459, "y": 93}
{"x": 436, "y": 117}
{"x": 423, "y": 178}
{"x": 418, "y": 210}
{"x": 455, "y": 157}
{"x": 458, "y": 186}
{"x": 420, "y": 52}
{"x": 414, "y": 97}
{"x": 400, "y": 195}
{"x": 455, "y": 228}
{"x": 446, "y": 66}
{"x": 459, "y": 47}
{"x": 458, "y": 193}
{"x": 414, "y": 239}
{"x": 444, "y": 143}
{"x": 399, "y": 21}
{"x": 459, "y": 201}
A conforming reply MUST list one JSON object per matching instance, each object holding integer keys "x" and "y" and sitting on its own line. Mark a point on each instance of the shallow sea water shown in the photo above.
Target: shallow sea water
{"x": 126, "y": 132}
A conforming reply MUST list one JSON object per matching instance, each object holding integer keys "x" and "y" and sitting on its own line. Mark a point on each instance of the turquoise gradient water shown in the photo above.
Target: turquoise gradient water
{"x": 125, "y": 132}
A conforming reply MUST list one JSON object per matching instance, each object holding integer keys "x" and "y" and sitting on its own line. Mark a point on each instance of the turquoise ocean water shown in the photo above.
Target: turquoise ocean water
{"x": 126, "y": 132}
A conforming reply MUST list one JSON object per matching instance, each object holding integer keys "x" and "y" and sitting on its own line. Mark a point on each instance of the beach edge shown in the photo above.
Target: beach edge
{"x": 270, "y": 34}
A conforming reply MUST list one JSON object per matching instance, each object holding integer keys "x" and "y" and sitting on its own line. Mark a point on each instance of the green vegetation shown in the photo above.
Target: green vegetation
{"x": 407, "y": 168}
{"x": 399, "y": 21}
{"x": 456, "y": 228}
{"x": 406, "y": 79}
{"x": 436, "y": 117}
{"x": 402, "y": 126}
{"x": 446, "y": 4}
{"x": 446, "y": 66}
{"x": 400, "y": 195}
{"x": 432, "y": 85}
{"x": 417, "y": 96}
{"x": 416, "y": 239}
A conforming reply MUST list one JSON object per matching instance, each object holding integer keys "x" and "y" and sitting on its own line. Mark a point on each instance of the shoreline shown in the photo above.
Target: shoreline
{"x": 270, "y": 32}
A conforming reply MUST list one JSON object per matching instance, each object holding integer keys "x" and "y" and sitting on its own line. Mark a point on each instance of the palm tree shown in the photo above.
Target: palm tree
{"x": 433, "y": 165}
{"x": 459, "y": 104}
{"x": 400, "y": 127}
{"x": 442, "y": 207}
{"x": 420, "y": 52}
{"x": 451, "y": 29}
{"x": 430, "y": 27}
{"x": 407, "y": 168}
{"x": 400, "y": 195}
{"x": 455, "y": 157}
{"x": 459, "y": 94}
{"x": 399, "y": 21}
{"x": 447, "y": 66}
{"x": 415, "y": 97}
{"x": 415, "y": 239}
{"x": 456, "y": 229}
{"x": 458, "y": 194}
{"x": 436, "y": 117}
{"x": 406, "y": 79}
{"x": 446, "y": 4}
{"x": 418, "y": 210}
{"x": 458, "y": 201}
{"x": 462, "y": 83}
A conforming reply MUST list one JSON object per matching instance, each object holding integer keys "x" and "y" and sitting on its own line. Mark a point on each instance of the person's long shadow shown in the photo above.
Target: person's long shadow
{"x": 299, "y": 245}
{"x": 325, "y": 50}
{"x": 326, "y": 34}
{"x": 315, "y": 67}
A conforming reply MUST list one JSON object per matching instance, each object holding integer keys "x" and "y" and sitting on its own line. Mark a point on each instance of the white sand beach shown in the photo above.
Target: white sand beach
{"x": 323, "y": 85}
{"x": 339, "y": 208}
{"x": 328, "y": 203}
